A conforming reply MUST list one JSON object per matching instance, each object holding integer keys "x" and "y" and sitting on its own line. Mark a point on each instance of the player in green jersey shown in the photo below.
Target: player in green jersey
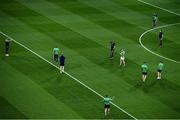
{"x": 107, "y": 100}
{"x": 155, "y": 19}
{"x": 122, "y": 58}
{"x": 56, "y": 54}
{"x": 159, "y": 70}
{"x": 144, "y": 69}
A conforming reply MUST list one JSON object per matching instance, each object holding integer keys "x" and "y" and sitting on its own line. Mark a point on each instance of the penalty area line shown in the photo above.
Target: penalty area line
{"x": 140, "y": 41}
{"x": 25, "y": 47}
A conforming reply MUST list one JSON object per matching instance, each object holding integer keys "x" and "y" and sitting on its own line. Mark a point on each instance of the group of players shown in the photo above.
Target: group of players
{"x": 144, "y": 67}
{"x": 60, "y": 59}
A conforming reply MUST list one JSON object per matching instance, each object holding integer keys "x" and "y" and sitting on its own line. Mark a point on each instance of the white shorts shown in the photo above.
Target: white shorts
{"x": 122, "y": 58}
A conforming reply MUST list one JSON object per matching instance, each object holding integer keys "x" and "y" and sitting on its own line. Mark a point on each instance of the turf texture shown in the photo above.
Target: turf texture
{"x": 82, "y": 29}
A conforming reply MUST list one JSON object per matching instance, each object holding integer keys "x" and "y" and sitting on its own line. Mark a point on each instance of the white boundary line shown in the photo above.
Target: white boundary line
{"x": 66, "y": 74}
{"x": 140, "y": 41}
{"x": 158, "y": 7}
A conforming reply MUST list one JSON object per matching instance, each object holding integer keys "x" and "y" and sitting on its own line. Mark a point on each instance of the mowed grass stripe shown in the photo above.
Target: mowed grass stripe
{"x": 68, "y": 94}
{"x": 8, "y": 111}
{"x": 113, "y": 25}
{"x": 84, "y": 51}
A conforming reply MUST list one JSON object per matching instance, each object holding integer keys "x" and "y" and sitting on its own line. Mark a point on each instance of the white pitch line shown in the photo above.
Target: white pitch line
{"x": 67, "y": 74}
{"x": 140, "y": 41}
{"x": 159, "y": 7}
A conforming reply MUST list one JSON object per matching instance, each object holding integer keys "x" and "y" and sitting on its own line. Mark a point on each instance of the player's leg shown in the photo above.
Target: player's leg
{"x": 120, "y": 62}
{"x": 145, "y": 76}
{"x": 108, "y": 111}
{"x": 158, "y": 75}
{"x": 105, "y": 111}
{"x": 123, "y": 61}
{"x": 142, "y": 77}
{"x": 60, "y": 69}
{"x": 7, "y": 49}
{"x": 154, "y": 24}
{"x": 56, "y": 58}
{"x": 63, "y": 68}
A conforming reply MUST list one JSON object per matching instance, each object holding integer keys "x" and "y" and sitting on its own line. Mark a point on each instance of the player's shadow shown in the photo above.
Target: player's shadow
{"x": 140, "y": 86}
{"x": 136, "y": 86}
{"x": 153, "y": 83}
{"x": 59, "y": 78}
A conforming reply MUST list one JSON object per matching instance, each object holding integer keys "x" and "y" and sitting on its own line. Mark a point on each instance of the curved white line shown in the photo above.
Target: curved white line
{"x": 140, "y": 41}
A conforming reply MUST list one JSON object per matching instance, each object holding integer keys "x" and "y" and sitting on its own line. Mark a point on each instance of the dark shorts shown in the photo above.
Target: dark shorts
{"x": 144, "y": 73}
{"x": 55, "y": 55}
{"x": 61, "y": 64}
{"x": 159, "y": 71}
{"x": 106, "y": 106}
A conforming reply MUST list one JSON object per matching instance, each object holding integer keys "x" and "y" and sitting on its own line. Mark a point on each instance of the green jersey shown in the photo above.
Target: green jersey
{"x": 56, "y": 51}
{"x": 107, "y": 100}
{"x": 144, "y": 68}
{"x": 160, "y": 66}
{"x": 122, "y": 53}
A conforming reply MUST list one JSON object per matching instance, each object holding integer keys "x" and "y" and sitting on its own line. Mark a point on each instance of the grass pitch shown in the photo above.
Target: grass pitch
{"x": 82, "y": 29}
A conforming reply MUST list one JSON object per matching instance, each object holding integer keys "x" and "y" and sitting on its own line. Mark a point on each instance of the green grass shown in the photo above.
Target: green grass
{"x": 82, "y": 29}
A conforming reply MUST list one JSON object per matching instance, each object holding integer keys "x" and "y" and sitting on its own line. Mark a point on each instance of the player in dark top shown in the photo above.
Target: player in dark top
{"x": 113, "y": 45}
{"x": 161, "y": 35}
{"x": 62, "y": 62}
{"x": 7, "y": 45}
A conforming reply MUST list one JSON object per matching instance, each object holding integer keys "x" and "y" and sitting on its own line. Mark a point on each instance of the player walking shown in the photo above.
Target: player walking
{"x": 122, "y": 58}
{"x": 62, "y": 61}
{"x": 161, "y": 35}
{"x": 107, "y": 100}
{"x": 144, "y": 69}
{"x": 155, "y": 19}
{"x": 56, "y": 54}
{"x": 159, "y": 70}
{"x": 113, "y": 46}
{"x": 7, "y": 46}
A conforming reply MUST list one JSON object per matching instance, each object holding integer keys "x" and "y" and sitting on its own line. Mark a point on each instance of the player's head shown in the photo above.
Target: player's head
{"x": 160, "y": 30}
{"x": 106, "y": 95}
{"x": 160, "y": 61}
{"x": 122, "y": 49}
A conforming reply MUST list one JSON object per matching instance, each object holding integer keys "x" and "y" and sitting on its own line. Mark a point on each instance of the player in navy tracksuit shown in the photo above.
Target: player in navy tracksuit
{"x": 113, "y": 45}
{"x": 62, "y": 62}
{"x": 160, "y": 38}
{"x": 7, "y": 45}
